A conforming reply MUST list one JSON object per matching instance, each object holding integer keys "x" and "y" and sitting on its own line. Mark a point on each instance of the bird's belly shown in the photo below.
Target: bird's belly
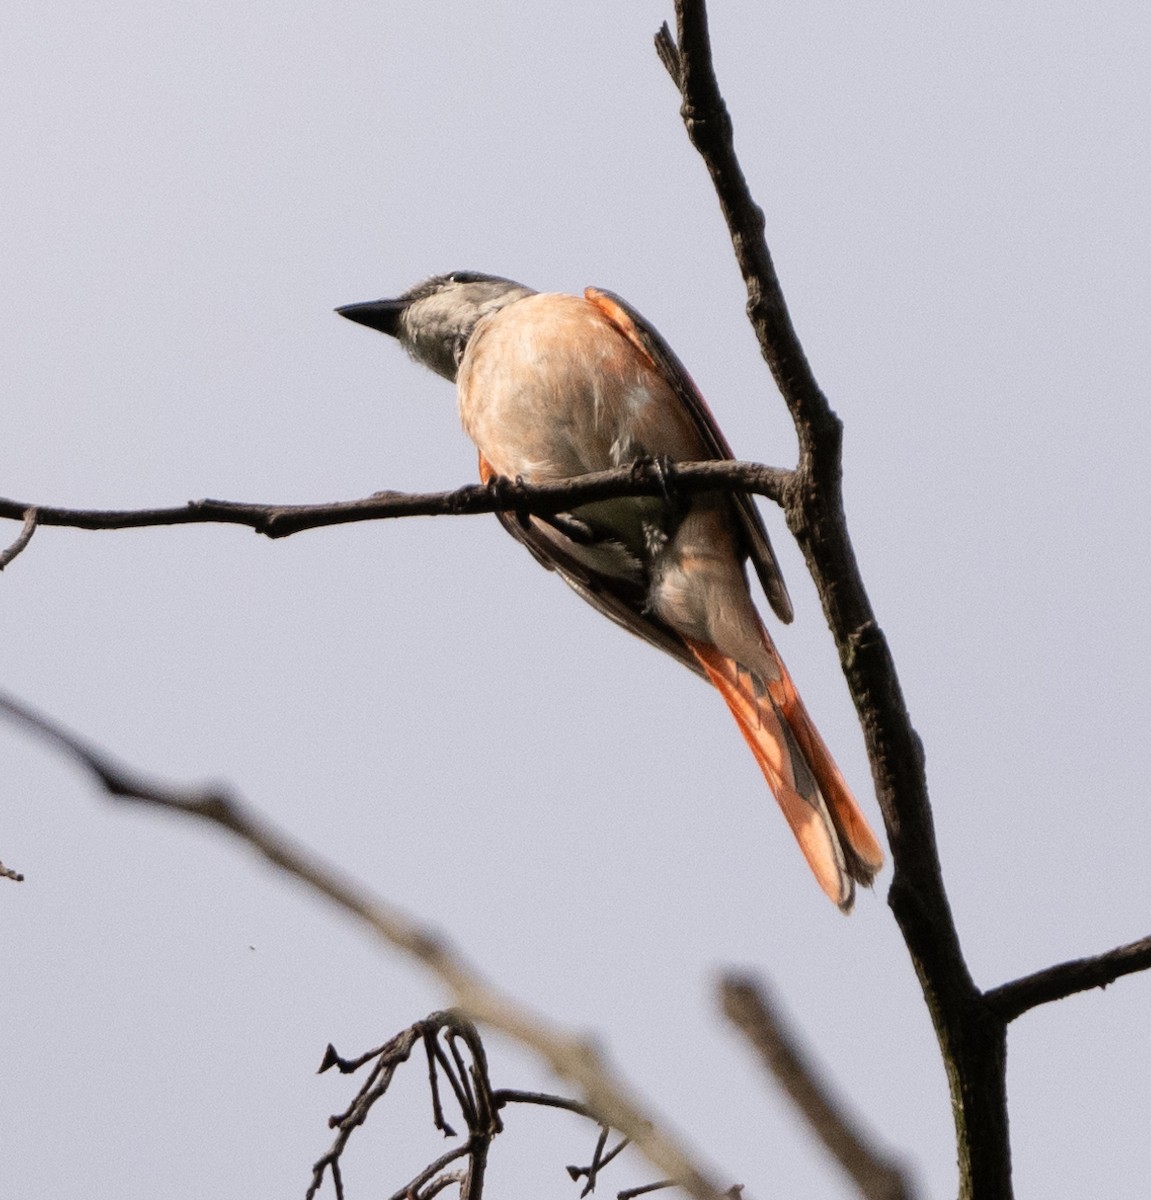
{"x": 550, "y": 433}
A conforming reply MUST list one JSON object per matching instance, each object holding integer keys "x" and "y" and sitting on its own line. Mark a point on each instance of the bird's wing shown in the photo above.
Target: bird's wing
{"x": 622, "y": 601}
{"x": 646, "y": 339}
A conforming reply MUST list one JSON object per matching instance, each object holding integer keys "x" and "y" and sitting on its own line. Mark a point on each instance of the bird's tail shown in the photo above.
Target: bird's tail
{"x": 831, "y": 830}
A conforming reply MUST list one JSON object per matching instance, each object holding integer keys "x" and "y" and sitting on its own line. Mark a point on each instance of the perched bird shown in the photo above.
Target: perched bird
{"x": 554, "y": 386}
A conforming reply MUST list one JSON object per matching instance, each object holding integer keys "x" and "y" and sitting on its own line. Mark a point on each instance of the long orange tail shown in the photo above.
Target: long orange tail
{"x": 831, "y": 830}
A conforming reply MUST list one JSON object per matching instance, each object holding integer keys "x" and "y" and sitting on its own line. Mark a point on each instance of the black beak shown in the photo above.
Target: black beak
{"x": 383, "y": 315}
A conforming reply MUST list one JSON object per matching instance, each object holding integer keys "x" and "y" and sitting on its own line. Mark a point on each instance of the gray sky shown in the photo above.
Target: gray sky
{"x": 957, "y": 199}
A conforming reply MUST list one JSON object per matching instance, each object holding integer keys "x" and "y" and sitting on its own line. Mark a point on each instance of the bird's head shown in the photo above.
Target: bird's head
{"x": 434, "y": 319}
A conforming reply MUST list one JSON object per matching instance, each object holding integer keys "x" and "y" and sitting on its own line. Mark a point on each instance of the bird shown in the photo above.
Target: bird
{"x": 552, "y": 386}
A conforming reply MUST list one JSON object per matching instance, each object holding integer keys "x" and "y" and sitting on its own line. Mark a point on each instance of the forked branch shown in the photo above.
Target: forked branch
{"x": 972, "y": 1037}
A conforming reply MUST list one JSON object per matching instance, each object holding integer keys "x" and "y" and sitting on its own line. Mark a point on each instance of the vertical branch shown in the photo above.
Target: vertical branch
{"x": 971, "y": 1035}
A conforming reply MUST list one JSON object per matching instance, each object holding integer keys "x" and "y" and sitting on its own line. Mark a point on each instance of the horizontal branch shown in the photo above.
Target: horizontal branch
{"x": 576, "y": 1059}
{"x": 1011, "y": 1000}
{"x": 643, "y": 478}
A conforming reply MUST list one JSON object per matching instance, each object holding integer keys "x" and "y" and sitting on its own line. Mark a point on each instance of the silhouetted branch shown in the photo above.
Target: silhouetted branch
{"x": 600, "y": 1158}
{"x": 389, "y": 1057}
{"x": 478, "y": 1103}
{"x": 469, "y": 1083}
{"x": 1011, "y": 1000}
{"x": 644, "y": 478}
{"x": 748, "y": 1006}
{"x": 572, "y": 1058}
{"x": 632, "y": 1193}
{"x": 513, "y": 1096}
{"x": 972, "y": 1036}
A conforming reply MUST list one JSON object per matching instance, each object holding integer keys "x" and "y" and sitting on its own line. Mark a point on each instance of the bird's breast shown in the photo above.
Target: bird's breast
{"x": 549, "y": 389}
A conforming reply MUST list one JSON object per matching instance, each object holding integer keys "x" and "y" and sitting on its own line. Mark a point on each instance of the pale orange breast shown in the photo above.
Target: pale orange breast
{"x": 548, "y": 389}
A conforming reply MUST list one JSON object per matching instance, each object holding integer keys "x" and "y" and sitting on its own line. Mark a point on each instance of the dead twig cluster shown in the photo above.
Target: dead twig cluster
{"x": 605, "y": 1095}
{"x": 455, "y": 1054}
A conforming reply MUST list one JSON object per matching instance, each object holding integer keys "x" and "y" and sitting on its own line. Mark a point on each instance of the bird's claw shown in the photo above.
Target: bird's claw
{"x": 508, "y": 494}
{"x": 661, "y": 468}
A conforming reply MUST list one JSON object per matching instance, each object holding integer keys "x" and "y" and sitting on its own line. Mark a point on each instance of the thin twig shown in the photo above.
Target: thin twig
{"x": 748, "y": 1006}
{"x": 601, "y": 1157}
{"x": 590, "y": 1172}
{"x": 395, "y": 1053}
{"x": 472, "y": 1103}
{"x": 572, "y": 1058}
{"x": 643, "y": 1189}
{"x": 1011, "y": 1000}
{"x": 412, "y": 1187}
{"x": 457, "y": 1086}
{"x": 505, "y": 1096}
{"x": 668, "y": 53}
{"x": 348, "y": 1066}
{"x": 437, "y": 1185}
{"x": 438, "y": 1118}
{"x": 8, "y": 873}
{"x": 31, "y": 520}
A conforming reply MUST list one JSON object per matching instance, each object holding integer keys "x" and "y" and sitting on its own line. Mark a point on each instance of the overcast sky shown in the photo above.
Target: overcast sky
{"x": 957, "y": 197}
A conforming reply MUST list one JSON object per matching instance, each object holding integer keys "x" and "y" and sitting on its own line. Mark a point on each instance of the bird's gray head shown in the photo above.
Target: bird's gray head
{"x": 434, "y": 319}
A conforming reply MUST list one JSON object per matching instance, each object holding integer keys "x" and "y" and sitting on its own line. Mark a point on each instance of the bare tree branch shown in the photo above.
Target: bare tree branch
{"x": 600, "y": 1158}
{"x": 1011, "y": 1000}
{"x": 425, "y": 1179}
{"x": 643, "y": 478}
{"x": 748, "y": 1006}
{"x": 389, "y": 1058}
{"x": 31, "y": 519}
{"x": 632, "y": 1193}
{"x": 972, "y": 1036}
{"x": 476, "y": 1107}
{"x": 573, "y": 1058}
{"x": 502, "y": 1096}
